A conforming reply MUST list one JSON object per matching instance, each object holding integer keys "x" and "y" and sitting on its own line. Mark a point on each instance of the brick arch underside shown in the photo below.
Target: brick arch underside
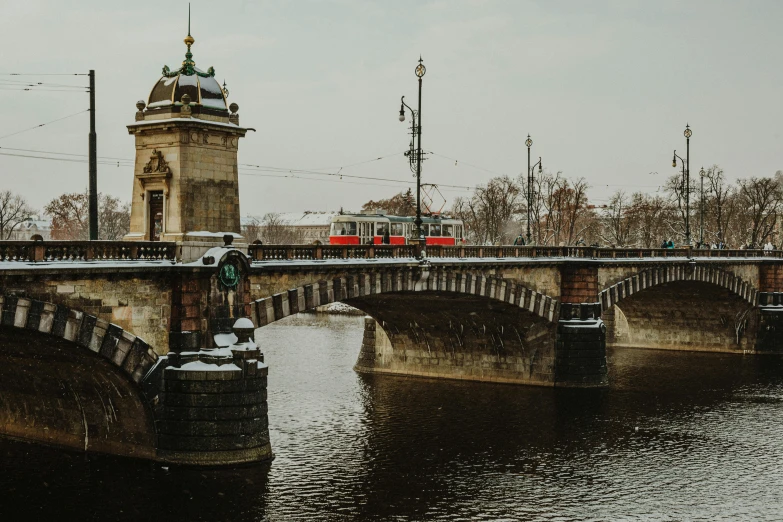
{"x": 130, "y": 355}
{"x": 55, "y": 392}
{"x": 669, "y": 274}
{"x": 463, "y": 336}
{"x": 682, "y": 313}
{"x": 342, "y": 289}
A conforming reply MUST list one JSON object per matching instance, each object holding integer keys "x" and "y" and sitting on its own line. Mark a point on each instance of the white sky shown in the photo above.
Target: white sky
{"x": 605, "y": 88}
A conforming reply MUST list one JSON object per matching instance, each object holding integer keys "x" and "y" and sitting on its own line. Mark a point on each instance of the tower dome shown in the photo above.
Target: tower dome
{"x": 202, "y": 87}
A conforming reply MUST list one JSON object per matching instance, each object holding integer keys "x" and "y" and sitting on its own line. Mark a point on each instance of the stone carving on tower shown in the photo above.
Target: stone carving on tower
{"x": 156, "y": 163}
{"x": 186, "y": 186}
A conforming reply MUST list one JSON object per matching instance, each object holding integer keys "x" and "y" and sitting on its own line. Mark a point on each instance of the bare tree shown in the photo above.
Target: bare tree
{"x": 675, "y": 188}
{"x": 14, "y": 211}
{"x": 720, "y": 203}
{"x": 275, "y": 230}
{"x": 617, "y": 224}
{"x": 648, "y": 215}
{"x": 760, "y": 200}
{"x": 113, "y": 218}
{"x": 252, "y": 230}
{"x": 70, "y": 217}
{"x": 573, "y": 209}
{"x": 402, "y": 204}
{"x": 491, "y": 209}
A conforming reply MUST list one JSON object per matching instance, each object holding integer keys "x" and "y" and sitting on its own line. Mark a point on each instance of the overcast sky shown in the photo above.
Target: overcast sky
{"x": 605, "y": 88}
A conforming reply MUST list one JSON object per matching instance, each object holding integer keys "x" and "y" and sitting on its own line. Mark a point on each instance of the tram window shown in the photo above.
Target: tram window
{"x": 381, "y": 229}
{"x": 425, "y": 229}
{"x": 448, "y": 230}
{"x": 396, "y": 229}
{"x": 435, "y": 230}
{"x": 344, "y": 228}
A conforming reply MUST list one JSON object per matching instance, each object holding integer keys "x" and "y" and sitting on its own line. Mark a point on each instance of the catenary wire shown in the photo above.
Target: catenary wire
{"x": 43, "y": 124}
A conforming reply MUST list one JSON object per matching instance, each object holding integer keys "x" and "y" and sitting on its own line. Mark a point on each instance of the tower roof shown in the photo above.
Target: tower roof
{"x": 202, "y": 87}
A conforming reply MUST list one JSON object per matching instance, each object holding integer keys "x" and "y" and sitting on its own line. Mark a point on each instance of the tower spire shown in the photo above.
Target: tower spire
{"x": 188, "y": 66}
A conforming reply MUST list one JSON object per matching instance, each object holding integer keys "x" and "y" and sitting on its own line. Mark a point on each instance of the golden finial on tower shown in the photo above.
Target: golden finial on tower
{"x": 189, "y": 40}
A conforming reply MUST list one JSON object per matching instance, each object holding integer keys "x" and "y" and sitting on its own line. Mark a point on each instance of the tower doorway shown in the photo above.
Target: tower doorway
{"x": 156, "y": 215}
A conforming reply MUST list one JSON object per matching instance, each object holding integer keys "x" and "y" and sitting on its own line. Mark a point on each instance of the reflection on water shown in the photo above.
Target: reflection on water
{"x": 677, "y": 436}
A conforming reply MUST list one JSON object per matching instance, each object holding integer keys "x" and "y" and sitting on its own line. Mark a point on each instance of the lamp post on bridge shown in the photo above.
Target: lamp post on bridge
{"x": 529, "y": 143}
{"x": 416, "y": 153}
{"x": 686, "y": 179}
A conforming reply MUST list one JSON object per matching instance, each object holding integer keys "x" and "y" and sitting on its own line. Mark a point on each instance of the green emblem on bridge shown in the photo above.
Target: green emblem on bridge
{"x": 229, "y": 275}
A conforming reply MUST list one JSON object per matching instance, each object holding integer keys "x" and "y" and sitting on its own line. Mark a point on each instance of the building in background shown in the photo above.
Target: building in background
{"x": 303, "y": 228}
{"x": 35, "y": 225}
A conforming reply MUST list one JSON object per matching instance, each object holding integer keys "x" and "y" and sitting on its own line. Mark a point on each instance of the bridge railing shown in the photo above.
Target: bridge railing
{"x": 319, "y": 252}
{"x": 37, "y": 251}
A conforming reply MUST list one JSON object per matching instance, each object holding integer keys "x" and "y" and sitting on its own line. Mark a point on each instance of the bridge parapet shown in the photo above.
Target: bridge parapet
{"x": 48, "y": 251}
{"x": 70, "y": 251}
{"x": 261, "y": 253}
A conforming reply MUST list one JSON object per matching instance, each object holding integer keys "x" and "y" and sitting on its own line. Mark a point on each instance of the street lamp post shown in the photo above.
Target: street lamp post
{"x": 686, "y": 179}
{"x": 701, "y": 209}
{"x": 419, "y": 71}
{"x": 530, "y": 170}
{"x": 684, "y": 190}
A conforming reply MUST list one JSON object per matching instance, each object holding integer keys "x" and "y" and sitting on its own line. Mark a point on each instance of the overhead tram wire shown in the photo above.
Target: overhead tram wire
{"x": 42, "y": 85}
{"x": 69, "y": 160}
{"x": 43, "y": 124}
{"x": 44, "y": 74}
{"x": 65, "y": 154}
{"x": 28, "y": 89}
{"x": 341, "y": 175}
{"x": 32, "y": 83}
{"x": 245, "y": 169}
{"x": 325, "y": 168}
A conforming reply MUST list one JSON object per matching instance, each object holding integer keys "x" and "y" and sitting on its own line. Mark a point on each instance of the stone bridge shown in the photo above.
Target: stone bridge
{"x": 118, "y": 347}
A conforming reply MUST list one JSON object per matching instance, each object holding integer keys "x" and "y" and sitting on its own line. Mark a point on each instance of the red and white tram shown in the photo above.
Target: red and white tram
{"x": 372, "y": 229}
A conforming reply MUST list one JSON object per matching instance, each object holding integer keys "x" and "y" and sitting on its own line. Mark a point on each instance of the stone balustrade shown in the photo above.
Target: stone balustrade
{"x": 49, "y": 251}
{"x": 319, "y": 252}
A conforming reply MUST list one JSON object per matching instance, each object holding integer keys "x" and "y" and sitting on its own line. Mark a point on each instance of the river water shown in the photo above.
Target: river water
{"x": 676, "y": 436}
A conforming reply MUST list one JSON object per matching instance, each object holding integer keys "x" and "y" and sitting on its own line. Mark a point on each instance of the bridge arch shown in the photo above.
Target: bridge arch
{"x": 681, "y": 307}
{"x": 278, "y": 306}
{"x": 70, "y": 379}
{"x": 130, "y": 354}
{"x": 458, "y": 325}
{"x": 670, "y": 273}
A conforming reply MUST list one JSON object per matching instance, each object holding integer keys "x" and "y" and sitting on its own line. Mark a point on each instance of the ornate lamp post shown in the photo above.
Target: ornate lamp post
{"x": 686, "y": 179}
{"x": 416, "y": 131}
{"x": 529, "y": 143}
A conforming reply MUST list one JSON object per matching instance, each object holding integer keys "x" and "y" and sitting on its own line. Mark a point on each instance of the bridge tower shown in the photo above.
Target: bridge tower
{"x": 185, "y": 183}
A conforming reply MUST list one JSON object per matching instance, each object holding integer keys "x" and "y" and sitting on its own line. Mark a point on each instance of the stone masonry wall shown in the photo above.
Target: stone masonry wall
{"x": 138, "y": 304}
{"x": 686, "y": 315}
{"x": 203, "y": 188}
{"x": 541, "y": 278}
{"x": 461, "y": 338}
